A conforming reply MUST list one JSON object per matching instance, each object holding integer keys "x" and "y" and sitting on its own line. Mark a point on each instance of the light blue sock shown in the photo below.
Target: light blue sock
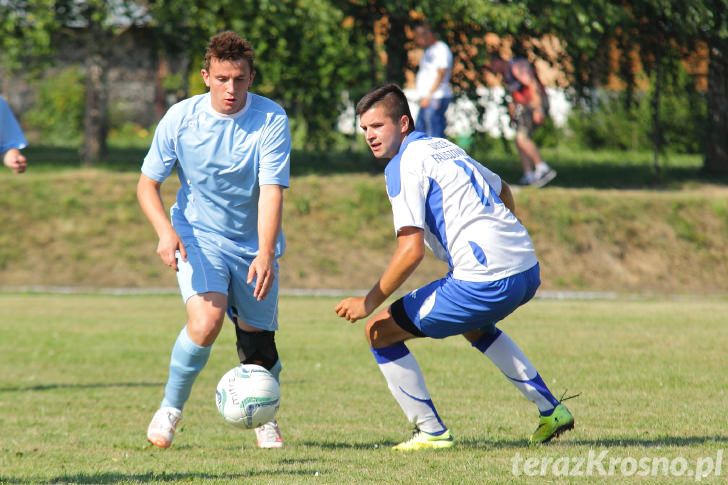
{"x": 407, "y": 385}
{"x": 186, "y": 362}
{"x": 276, "y": 370}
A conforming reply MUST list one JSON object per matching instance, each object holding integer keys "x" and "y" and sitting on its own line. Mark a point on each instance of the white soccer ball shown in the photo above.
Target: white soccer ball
{"x": 248, "y": 396}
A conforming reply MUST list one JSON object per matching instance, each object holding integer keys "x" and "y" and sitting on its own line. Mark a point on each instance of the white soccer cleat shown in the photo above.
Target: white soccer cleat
{"x": 269, "y": 435}
{"x": 164, "y": 423}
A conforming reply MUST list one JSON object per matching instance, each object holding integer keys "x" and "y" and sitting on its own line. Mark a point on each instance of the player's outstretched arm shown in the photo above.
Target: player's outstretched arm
{"x": 270, "y": 210}
{"x": 150, "y": 200}
{"x": 410, "y": 251}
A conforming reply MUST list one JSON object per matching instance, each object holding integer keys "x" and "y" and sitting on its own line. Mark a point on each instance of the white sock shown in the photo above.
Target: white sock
{"x": 407, "y": 385}
{"x": 511, "y": 361}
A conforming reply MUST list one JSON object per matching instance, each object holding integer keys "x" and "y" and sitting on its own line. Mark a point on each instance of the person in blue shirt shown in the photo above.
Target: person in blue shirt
{"x": 12, "y": 140}
{"x": 231, "y": 149}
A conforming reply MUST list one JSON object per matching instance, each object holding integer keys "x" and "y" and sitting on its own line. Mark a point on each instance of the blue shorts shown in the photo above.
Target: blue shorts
{"x": 216, "y": 264}
{"x": 452, "y": 307}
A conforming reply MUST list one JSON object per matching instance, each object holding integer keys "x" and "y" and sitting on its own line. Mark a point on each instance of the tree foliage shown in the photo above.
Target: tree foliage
{"x": 311, "y": 52}
{"x": 307, "y": 51}
{"x": 650, "y": 36}
{"x": 30, "y": 31}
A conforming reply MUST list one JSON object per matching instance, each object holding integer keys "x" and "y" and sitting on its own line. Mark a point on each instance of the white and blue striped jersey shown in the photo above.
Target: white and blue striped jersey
{"x": 434, "y": 185}
{"x": 221, "y": 162}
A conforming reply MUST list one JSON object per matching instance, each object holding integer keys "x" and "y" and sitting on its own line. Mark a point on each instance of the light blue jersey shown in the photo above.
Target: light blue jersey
{"x": 221, "y": 162}
{"x": 11, "y": 135}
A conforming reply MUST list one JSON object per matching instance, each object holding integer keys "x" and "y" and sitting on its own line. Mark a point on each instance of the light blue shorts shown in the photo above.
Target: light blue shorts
{"x": 452, "y": 307}
{"x": 216, "y": 264}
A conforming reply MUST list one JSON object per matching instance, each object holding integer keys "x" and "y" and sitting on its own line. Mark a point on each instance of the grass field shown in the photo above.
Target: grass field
{"x": 81, "y": 375}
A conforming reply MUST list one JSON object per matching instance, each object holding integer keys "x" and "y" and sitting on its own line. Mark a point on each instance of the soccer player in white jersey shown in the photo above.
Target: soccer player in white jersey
{"x": 232, "y": 150}
{"x": 443, "y": 199}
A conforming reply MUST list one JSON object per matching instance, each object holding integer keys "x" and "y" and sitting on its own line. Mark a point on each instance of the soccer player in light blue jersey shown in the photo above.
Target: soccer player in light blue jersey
{"x": 443, "y": 199}
{"x": 231, "y": 149}
{"x": 12, "y": 140}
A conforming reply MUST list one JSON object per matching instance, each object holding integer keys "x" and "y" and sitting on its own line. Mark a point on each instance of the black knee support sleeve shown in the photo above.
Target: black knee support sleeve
{"x": 257, "y": 347}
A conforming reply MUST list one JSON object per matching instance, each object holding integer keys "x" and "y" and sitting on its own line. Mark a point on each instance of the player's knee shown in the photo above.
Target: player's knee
{"x": 376, "y": 332}
{"x": 473, "y": 335}
{"x": 371, "y": 333}
{"x": 203, "y": 329}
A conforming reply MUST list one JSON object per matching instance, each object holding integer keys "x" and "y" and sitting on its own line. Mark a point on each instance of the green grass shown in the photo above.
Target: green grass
{"x": 81, "y": 375}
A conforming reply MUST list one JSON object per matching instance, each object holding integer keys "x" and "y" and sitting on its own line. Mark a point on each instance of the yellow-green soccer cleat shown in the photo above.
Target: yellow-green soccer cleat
{"x": 552, "y": 426}
{"x": 421, "y": 440}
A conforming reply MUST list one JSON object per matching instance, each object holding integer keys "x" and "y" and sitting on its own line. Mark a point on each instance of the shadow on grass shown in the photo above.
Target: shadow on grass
{"x": 611, "y": 172}
{"x": 586, "y": 170}
{"x": 52, "y": 387}
{"x": 129, "y": 159}
{"x": 673, "y": 441}
{"x": 386, "y": 445}
{"x": 669, "y": 441}
{"x": 163, "y": 477}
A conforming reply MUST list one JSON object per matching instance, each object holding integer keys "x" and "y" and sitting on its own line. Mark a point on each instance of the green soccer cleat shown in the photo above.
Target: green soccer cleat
{"x": 421, "y": 440}
{"x": 552, "y": 426}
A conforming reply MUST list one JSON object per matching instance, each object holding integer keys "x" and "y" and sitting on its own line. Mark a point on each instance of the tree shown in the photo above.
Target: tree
{"x": 656, "y": 33}
{"x": 710, "y": 25}
{"x": 31, "y": 30}
{"x": 307, "y": 52}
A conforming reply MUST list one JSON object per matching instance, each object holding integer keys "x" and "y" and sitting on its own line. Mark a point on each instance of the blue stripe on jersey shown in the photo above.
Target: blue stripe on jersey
{"x": 392, "y": 177}
{"x": 479, "y": 253}
{"x": 391, "y": 172}
{"x": 391, "y": 353}
{"x": 478, "y": 188}
{"x": 435, "y": 217}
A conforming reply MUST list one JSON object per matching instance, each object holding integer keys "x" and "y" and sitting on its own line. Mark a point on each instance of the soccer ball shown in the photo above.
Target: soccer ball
{"x": 248, "y": 396}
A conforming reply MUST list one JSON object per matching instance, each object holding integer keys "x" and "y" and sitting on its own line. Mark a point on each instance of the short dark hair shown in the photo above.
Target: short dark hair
{"x": 393, "y": 99}
{"x": 229, "y": 46}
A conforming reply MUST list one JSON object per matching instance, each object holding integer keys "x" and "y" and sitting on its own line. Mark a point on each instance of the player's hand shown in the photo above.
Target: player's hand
{"x": 262, "y": 271}
{"x": 352, "y": 309}
{"x": 424, "y": 102}
{"x": 15, "y": 160}
{"x": 169, "y": 244}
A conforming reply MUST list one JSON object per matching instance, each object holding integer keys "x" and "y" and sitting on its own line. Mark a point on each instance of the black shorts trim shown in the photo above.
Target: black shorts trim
{"x": 402, "y": 320}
